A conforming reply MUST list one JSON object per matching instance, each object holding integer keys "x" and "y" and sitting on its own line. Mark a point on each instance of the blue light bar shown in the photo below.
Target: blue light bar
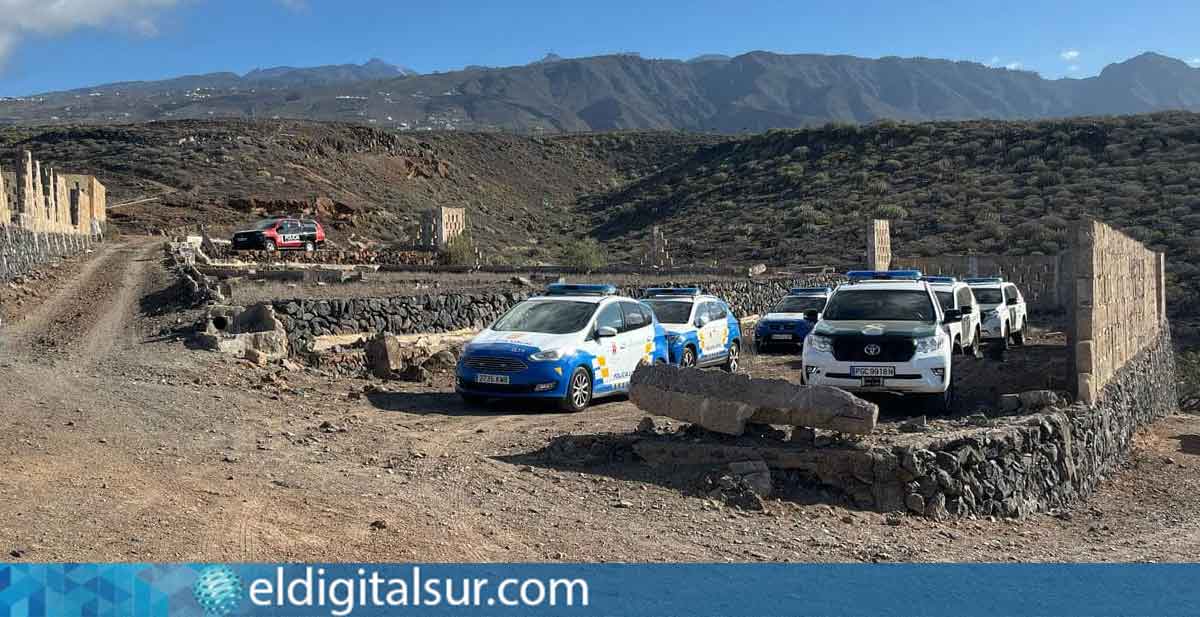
{"x": 884, "y": 275}
{"x": 671, "y": 291}
{"x": 984, "y": 279}
{"x": 569, "y": 289}
{"x": 798, "y": 291}
{"x": 941, "y": 279}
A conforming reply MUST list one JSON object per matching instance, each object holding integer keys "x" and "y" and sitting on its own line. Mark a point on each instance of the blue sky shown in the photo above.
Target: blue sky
{"x": 49, "y": 47}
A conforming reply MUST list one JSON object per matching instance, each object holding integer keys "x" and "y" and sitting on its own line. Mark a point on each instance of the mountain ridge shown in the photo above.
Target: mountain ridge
{"x": 750, "y": 92}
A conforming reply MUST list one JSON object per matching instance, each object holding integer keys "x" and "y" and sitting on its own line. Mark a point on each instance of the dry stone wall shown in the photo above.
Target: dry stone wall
{"x": 1043, "y": 279}
{"x": 305, "y": 319}
{"x": 22, "y": 251}
{"x": 1119, "y": 304}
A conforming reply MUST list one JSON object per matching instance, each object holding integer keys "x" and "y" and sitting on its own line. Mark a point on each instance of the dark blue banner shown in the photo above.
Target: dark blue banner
{"x": 216, "y": 590}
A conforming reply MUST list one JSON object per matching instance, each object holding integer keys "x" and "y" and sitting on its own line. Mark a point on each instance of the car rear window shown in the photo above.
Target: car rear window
{"x": 988, "y": 295}
{"x": 881, "y": 305}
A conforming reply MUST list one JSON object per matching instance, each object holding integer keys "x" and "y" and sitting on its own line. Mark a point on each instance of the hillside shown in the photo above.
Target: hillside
{"x": 519, "y": 191}
{"x": 989, "y": 187}
{"x": 751, "y": 92}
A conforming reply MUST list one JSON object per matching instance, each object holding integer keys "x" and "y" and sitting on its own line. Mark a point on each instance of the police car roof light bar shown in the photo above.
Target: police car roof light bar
{"x": 985, "y": 279}
{"x": 570, "y": 289}
{"x": 795, "y": 291}
{"x": 884, "y": 275}
{"x": 671, "y": 291}
{"x": 941, "y": 279}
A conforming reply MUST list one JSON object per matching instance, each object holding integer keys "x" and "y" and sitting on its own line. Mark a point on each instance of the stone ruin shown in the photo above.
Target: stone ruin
{"x": 251, "y": 333}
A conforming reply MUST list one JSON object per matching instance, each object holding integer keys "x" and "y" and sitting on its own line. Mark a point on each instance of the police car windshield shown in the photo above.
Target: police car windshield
{"x": 988, "y": 295}
{"x": 669, "y": 311}
{"x": 799, "y": 305}
{"x": 881, "y": 305}
{"x": 547, "y": 317}
{"x": 946, "y": 298}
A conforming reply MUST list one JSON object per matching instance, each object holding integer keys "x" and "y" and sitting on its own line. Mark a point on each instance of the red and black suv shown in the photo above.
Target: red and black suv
{"x": 280, "y": 233}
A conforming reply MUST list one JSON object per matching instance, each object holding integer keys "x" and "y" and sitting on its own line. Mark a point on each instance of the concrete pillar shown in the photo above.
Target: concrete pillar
{"x": 5, "y": 208}
{"x": 879, "y": 245}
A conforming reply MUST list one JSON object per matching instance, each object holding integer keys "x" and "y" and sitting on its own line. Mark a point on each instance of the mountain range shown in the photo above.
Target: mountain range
{"x": 750, "y": 92}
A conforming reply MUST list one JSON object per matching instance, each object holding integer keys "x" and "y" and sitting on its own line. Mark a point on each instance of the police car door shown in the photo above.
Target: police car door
{"x": 639, "y": 326}
{"x": 289, "y": 233}
{"x": 606, "y": 363}
{"x": 715, "y": 333}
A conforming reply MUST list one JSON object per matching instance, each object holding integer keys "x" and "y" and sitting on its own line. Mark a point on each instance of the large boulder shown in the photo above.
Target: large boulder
{"x": 725, "y": 402}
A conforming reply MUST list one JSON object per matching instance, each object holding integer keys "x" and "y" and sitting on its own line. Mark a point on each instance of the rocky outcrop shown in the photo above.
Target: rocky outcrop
{"x": 725, "y": 402}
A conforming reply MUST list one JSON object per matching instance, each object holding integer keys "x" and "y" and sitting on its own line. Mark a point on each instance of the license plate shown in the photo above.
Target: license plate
{"x": 872, "y": 371}
{"x": 493, "y": 379}
{"x": 781, "y": 337}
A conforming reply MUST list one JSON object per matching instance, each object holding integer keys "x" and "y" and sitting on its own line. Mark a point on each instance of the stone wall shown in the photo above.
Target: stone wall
{"x": 22, "y": 251}
{"x": 1043, "y": 279}
{"x": 306, "y": 318}
{"x": 879, "y": 245}
{"x": 40, "y": 198}
{"x": 1118, "y": 305}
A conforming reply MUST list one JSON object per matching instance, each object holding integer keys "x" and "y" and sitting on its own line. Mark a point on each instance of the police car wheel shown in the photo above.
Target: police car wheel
{"x": 579, "y": 391}
{"x": 1018, "y": 337}
{"x": 732, "y": 361}
{"x": 689, "y": 357}
{"x": 308, "y": 247}
{"x": 269, "y": 245}
{"x": 975, "y": 347}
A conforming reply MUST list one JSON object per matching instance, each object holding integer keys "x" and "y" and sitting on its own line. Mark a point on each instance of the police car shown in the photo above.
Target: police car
{"x": 573, "y": 344}
{"x": 882, "y": 332}
{"x": 792, "y": 319}
{"x": 701, "y": 329}
{"x": 966, "y": 334}
{"x": 1003, "y": 308}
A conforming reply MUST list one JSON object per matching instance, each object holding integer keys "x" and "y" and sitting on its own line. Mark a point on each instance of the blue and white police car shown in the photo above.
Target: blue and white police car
{"x": 792, "y": 319}
{"x": 701, "y": 329}
{"x": 573, "y": 344}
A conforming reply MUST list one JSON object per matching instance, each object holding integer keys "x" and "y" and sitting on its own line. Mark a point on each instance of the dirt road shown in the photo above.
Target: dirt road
{"x": 124, "y": 444}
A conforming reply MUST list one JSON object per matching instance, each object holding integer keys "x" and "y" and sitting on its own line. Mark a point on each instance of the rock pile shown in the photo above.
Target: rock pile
{"x": 388, "y": 358}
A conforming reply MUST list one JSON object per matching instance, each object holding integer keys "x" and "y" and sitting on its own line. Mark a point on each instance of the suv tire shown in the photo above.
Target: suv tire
{"x": 1018, "y": 337}
{"x": 579, "y": 391}
{"x": 975, "y": 350}
{"x": 269, "y": 245}
{"x": 689, "y": 357}
{"x": 309, "y": 247}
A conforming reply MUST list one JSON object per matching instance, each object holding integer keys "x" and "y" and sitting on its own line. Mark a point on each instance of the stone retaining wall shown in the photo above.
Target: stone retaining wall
{"x": 1022, "y": 464}
{"x": 22, "y": 251}
{"x": 308, "y": 318}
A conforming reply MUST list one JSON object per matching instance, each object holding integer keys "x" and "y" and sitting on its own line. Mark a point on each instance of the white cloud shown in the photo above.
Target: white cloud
{"x": 54, "y": 17}
{"x": 1069, "y": 55}
{"x": 994, "y": 61}
{"x": 1194, "y": 62}
{"x": 1013, "y": 66}
{"x": 1074, "y": 68}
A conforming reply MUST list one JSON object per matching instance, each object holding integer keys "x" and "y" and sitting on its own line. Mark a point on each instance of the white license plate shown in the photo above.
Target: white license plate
{"x": 495, "y": 379}
{"x": 781, "y": 337}
{"x": 872, "y": 371}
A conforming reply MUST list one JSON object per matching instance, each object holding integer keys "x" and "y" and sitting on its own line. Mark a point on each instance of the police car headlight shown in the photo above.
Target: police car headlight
{"x": 550, "y": 355}
{"x": 930, "y": 344}
{"x": 816, "y": 342}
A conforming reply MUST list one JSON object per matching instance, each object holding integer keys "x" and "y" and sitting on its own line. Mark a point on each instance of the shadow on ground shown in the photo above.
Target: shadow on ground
{"x": 451, "y": 404}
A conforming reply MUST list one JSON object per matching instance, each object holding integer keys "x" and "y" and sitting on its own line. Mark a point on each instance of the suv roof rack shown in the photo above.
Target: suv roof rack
{"x": 796, "y": 291}
{"x": 883, "y": 275}
{"x": 660, "y": 292}
{"x": 984, "y": 279}
{"x": 570, "y": 289}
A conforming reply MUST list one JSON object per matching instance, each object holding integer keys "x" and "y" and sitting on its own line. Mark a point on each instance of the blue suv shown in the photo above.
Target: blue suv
{"x": 701, "y": 329}
{"x": 790, "y": 321}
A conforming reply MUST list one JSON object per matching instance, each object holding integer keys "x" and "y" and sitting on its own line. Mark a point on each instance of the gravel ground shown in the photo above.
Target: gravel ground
{"x": 124, "y": 444}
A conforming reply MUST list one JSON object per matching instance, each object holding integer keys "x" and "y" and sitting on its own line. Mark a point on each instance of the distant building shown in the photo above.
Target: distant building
{"x": 441, "y": 225}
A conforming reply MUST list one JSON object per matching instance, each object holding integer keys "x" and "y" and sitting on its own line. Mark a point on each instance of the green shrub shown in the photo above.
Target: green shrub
{"x": 585, "y": 254}
{"x": 460, "y": 251}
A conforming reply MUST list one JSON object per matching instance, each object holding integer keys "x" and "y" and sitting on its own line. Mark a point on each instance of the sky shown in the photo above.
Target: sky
{"x": 48, "y": 45}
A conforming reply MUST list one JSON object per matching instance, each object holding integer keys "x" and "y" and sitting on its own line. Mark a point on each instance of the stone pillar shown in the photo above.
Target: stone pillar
{"x": 5, "y": 208}
{"x": 26, "y": 197}
{"x": 879, "y": 245}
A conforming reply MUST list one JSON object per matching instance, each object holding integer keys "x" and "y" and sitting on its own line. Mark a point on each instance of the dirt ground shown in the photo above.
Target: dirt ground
{"x": 124, "y": 444}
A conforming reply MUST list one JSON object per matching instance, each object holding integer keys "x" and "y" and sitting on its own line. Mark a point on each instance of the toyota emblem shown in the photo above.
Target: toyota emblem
{"x": 872, "y": 349}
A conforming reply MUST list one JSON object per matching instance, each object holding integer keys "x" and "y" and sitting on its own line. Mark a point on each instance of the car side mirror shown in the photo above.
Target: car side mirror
{"x": 811, "y": 316}
{"x": 1012, "y": 301}
{"x": 967, "y": 308}
{"x": 952, "y": 316}
{"x": 605, "y": 332}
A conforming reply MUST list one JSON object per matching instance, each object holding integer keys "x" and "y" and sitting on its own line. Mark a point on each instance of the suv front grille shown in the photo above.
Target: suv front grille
{"x": 891, "y": 349}
{"x": 496, "y": 364}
